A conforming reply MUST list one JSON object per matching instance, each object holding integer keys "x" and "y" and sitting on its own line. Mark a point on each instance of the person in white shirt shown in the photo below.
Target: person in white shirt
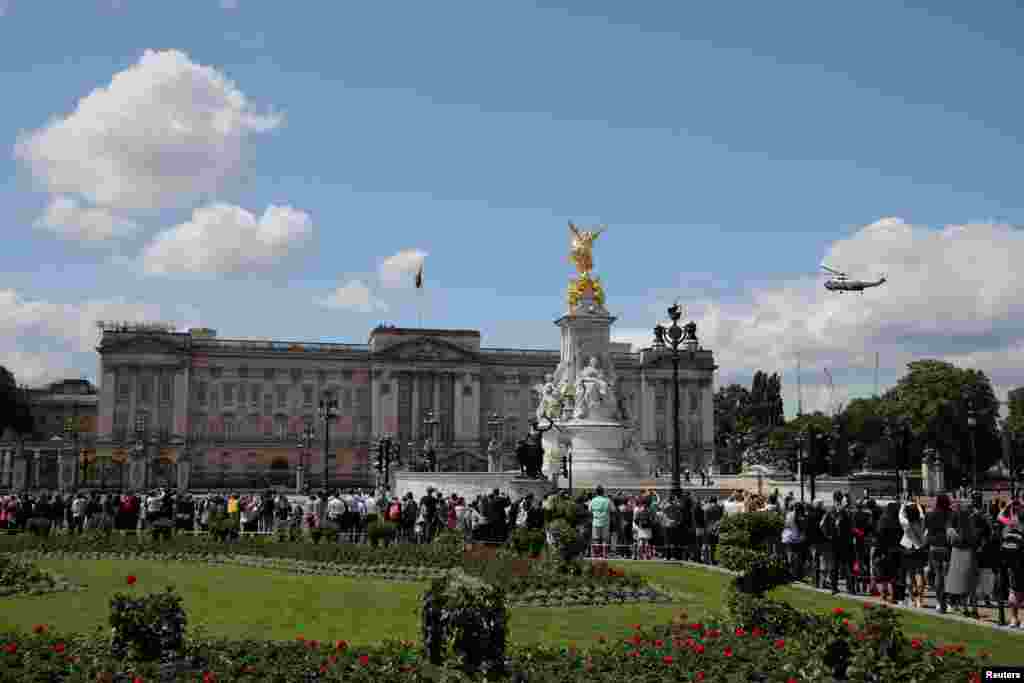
{"x": 335, "y": 508}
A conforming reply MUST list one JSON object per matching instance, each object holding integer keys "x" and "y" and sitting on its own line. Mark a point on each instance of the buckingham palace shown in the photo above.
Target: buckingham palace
{"x": 190, "y": 409}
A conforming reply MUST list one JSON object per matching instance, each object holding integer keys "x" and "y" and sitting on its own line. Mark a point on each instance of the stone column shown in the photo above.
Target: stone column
{"x": 299, "y": 478}
{"x": 457, "y": 406}
{"x": 376, "y": 416}
{"x": 37, "y": 466}
{"x": 179, "y": 397}
{"x": 414, "y": 387}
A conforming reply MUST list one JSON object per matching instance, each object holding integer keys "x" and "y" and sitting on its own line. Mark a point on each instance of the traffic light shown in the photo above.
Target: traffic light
{"x": 565, "y": 466}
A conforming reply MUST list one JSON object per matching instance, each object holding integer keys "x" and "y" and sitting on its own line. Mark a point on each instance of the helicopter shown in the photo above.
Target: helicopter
{"x": 840, "y": 282}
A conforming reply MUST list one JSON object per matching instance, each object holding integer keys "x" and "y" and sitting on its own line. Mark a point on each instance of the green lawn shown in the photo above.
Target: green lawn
{"x": 265, "y": 604}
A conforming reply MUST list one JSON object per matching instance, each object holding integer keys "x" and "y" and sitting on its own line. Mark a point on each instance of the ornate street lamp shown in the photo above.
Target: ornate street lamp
{"x": 306, "y": 439}
{"x": 328, "y": 411}
{"x": 140, "y": 443}
{"x": 801, "y": 441}
{"x": 387, "y": 453}
{"x": 972, "y": 423}
{"x": 672, "y": 338}
{"x": 495, "y": 425}
{"x": 430, "y": 454}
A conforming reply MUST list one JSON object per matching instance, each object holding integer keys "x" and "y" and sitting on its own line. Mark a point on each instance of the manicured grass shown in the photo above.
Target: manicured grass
{"x": 235, "y": 602}
{"x": 243, "y": 602}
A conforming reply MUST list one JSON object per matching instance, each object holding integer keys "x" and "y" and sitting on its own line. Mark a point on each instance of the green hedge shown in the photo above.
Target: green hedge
{"x": 751, "y": 529}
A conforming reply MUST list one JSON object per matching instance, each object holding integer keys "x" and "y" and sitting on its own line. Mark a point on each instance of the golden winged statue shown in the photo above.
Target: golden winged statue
{"x": 582, "y": 247}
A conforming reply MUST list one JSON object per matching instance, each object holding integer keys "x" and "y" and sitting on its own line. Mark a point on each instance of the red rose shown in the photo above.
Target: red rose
{"x": 58, "y": 648}
{"x": 792, "y": 680}
{"x": 740, "y": 631}
{"x": 700, "y": 676}
{"x": 696, "y": 627}
{"x": 333, "y": 659}
{"x": 131, "y": 580}
{"x": 667, "y": 659}
{"x": 11, "y": 648}
{"x": 659, "y": 643}
{"x": 209, "y": 677}
{"x": 323, "y": 668}
{"x": 699, "y": 649}
{"x": 780, "y": 644}
{"x": 727, "y": 652}
{"x": 940, "y": 652}
{"x": 837, "y": 610}
{"x": 138, "y": 680}
{"x": 869, "y": 605}
{"x": 340, "y": 645}
{"x": 757, "y": 633}
{"x": 636, "y": 627}
{"x": 916, "y": 644}
{"x": 364, "y": 660}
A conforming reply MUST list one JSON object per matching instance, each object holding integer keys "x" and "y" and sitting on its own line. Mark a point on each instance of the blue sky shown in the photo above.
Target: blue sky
{"x": 730, "y": 147}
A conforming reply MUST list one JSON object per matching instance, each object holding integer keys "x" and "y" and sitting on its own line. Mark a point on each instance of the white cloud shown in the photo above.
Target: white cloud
{"x": 5, "y": 5}
{"x": 229, "y": 4}
{"x": 354, "y": 296}
{"x": 39, "y": 339}
{"x": 953, "y": 294}
{"x": 67, "y": 218}
{"x": 227, "y": 239}
{"x": 164, "y": 132}
{"x": 400, "y": 269}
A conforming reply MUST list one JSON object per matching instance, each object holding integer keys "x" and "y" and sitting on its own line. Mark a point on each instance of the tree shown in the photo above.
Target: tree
{"x": 14, "y": 407}
{"x": 731, "y": 407}
{"x": 864, "y": 419}
{"x": 934, "y": 395}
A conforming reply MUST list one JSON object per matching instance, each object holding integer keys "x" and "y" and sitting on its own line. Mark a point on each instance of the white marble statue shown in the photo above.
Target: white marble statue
{"x": 595, "y": 397}
{"x": 550, "y": 398}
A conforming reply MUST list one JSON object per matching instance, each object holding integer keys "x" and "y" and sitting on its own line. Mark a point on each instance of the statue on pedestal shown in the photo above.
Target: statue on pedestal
{"x": 594, "y": 395}
{"x": 530, "y": 451}
{"x": 582, "y": 253}
{"x": 550, "y": 399}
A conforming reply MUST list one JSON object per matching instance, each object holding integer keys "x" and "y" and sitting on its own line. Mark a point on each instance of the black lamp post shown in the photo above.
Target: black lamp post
{"x": 801, "y": 441}
{"x": 1016, "y": 442}
{"x": 328, "y": 411}
{"x": 71, "y": 432}
{"x": 431, "y": 423}
{"x": 972, "y": 423}
{"x": 140, "y": 443}
{"x": 672, "y": 338}
{"x": 494, "y": 425}
{"x": 387, "y": 451}
{"x": 306, "y": 439}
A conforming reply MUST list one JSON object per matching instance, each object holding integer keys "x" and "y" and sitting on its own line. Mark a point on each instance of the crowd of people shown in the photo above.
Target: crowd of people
{"x": 967, "y": 554}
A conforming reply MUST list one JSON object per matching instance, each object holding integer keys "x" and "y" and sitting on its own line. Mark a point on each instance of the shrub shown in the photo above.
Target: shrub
{"x": 468, "y": 618}
{"x": 161, "y": 530}
{"x": 751, "y": 529}
{"x": 566, "y": 541}
{"x": 38, "y": 526}
{"x": 527, "y": 541}
{"x": 149, "y": 626}
{"x": 381, "y": 531}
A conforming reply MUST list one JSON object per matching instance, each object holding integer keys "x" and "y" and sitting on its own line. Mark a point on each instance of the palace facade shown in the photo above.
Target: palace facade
{"x": 192, "y": 409}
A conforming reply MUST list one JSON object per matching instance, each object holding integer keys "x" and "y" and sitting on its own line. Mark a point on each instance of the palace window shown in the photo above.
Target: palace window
{"x": 385, "y": 389}
{"x": 512, "y": 429}
{"x": 307, "y": 395}
{"x": 124, "y": 390}
{"x": 216, "y": 372}
{"x": 511, "y": 400}
{"x": 243, "y": 372}
{"x": 346, "y": 375}
{"x": 214, "y": 398}
{"x": 321, "y": 377}
{"x": 282, "y": 396}
{"x": 198, "y": 426}
{"x": 296, "y": 375}
{"x": 694, "y": 401}
{"x": 229, "y": 427}
{"x": 659, "y": 403}
{"x": 346, "y": 400}
{"x": 280, "y": 426}
{"x": 268, "y": 404}
{"x": 229, "y": 394}
{"x": 141, "y": 421}
{"x": 467, "y": 390}
{"x": 268, "y": 374}
{"x": 166, "y": 384}
{"x": 201, "y": 393}
{"x": 255, "y": 390}
{"x": 253, "y": 425}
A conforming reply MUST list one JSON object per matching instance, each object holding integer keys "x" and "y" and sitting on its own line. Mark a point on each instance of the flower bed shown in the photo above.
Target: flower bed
{"x": 18, "y": 577}
{"x": 682, "y": 651}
